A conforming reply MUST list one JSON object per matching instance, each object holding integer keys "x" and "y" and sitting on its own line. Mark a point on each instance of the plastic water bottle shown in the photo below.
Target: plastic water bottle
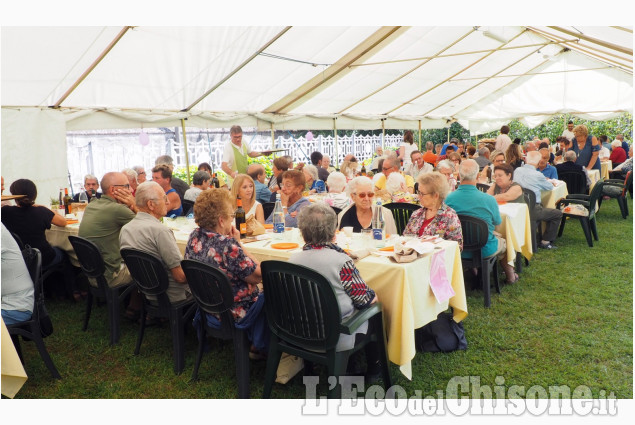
{"x": 278, "y": 219}
{"x": 378, "y": 224}
{"x": 83, "y": 198}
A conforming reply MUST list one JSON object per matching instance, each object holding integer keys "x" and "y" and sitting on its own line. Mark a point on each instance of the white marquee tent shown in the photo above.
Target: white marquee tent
{"x": 56, "y": 79}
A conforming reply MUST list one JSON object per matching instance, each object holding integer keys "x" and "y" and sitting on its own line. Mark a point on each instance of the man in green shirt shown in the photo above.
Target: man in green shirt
{"x": 103, "y": 220}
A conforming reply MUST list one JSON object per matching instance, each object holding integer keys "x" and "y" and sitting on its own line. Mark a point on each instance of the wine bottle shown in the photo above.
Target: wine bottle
{"x": 68, "y": 208}
{"x": 215, "y": 182}
{"x": 93, "y": 195}
{"x": 241, "y": 224}
{"x": 364, "y": 170}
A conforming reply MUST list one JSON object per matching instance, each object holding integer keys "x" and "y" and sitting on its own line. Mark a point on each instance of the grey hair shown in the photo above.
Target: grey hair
{"x": 336, "y": 182}
{"x": 146, "y": 191}
{"x": 483, "y": 151}
{"x": 394, "y": 182}
{"x": 429, "y": 145}
{"x": 468, "y": 170}
{"x": 435, "y": 182}
{"x": 616, "y": 144}
{"x": 570, "y": 156}
{"x": 130, "y": 173}
{"x": 312, "y": 170}
{"x": 138, "y": 168}
{"x": 446, "y": 163}
{"x": 200, "y": 177}
{"x": 317, "y": 223}
{"x": 533, "y": 158}
{"x": 91, "y": 177}
{"x": 164, "y": 159}
{"x": 357, "y": 181}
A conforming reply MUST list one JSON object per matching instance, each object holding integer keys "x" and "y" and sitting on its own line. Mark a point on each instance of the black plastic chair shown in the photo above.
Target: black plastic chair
{"x": 30, "y": 329}
{"x": 267, "y": 207}
{"x": 213, "y": 295}
{"x": 401, "y": 212}
{"x": 576, "y": 182}
{"x": 305, "y": 321}
{"x": 336, "y": 210}
{"x": 475, "y": 235}
{"x": 18, "y": 240}
{"x": 587, "y": 222}
{"x": 536, "y": 233}
{"x": 187, "y": 206}
{"x": 152, "y": 280}
{"x": 617, "y": 189}
{"x": 482, "y": 187}
{"x": 92, "y": 264}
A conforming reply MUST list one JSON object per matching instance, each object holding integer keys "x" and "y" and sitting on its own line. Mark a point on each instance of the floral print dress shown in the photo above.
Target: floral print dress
{"x": 225, "y": 253}
{"x": 445, "y": 224}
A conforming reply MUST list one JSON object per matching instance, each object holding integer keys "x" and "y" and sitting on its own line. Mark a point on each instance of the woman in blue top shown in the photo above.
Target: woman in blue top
{"x": 314, "y": 184}
{"x": 587, "y": 148}
{"x": 162, "y": 174}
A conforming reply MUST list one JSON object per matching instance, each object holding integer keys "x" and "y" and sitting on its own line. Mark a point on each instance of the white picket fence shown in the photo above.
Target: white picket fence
{"x": 98, "y": 152}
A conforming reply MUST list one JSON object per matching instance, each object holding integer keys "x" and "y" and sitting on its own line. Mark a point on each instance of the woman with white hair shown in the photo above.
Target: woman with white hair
{"x": 314, "y": 184}
{"x": 359, "y": 214}
{"x": 336, "y": 197}
{"x": 446, "y": 167}
{"x": 618, "y": 154}
{"x": 326, "y": 163}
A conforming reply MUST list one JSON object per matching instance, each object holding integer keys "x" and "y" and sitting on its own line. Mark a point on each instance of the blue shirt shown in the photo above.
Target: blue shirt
{"x": 319, "y": 186}
{"x": 529, "y": 178}
{"x": 550, "y": 172}
{"x": 468, "y": 200}
{"x": 263, "y": 194}
{"x": 288, "y": 220}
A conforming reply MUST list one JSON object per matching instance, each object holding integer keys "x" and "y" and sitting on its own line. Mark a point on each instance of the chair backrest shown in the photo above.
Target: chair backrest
{"x": 482, "y": 187}
{"x": 596, "y": 192}
{"x": 148, "y": 272}
{"x": 475, "y": 235}
{"x": 301, "y": 305}
{"x": 187, "y": 206}
{"x": 211, "y": 290}
{"x": 628, "y": 183}
{"x": 530, "y": 200}
{"x": 33, "y": 260}
{"x": 18, "y": 240}
{"x": 336, "y": 210}
{"x": 267, "y": 207}
{"x": 90, "y": 258}
{"x": 576, "y": 181}
{"x": 401, "y": 212}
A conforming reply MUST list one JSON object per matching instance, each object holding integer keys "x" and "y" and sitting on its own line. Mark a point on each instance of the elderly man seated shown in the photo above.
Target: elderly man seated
{"x": 258, "y": 174}
{"x": 391, "y": 165}
{"x": 529, "y": 178}
{"x": 132, "y": 179}
{"x": 200, "y": 182}
{"x": 162, "y": 174}
{"x": 90, "y": 184}
{"x": 544, "y": 167}
{"x": 569, "y": 165}
{"x": 146, "y": 233}
{"x": 418, "y": 165}
{"x": 468, "y": 200}
{"x": 483, "y": 158}
{"x": 177, "y": 184}
{"x": 317, "y": 223}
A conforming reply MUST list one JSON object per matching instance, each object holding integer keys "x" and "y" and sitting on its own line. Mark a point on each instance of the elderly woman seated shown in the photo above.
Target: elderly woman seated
{"x": 435, "y": 217}
{"x": 313, "y": 182}
{"x": 217, "y": 242}
{"x": 291, "y": 197}
{"x": 359, "y": 214}
{"x": 503, "y": 188}
{"x": 447, "y": 168}
{"x": 318, "y": 223}
{"x": 336, "y": 197}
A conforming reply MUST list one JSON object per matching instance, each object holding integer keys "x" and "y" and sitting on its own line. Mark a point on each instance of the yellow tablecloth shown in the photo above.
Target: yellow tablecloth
{"x": 606, "y": 167}
{"x": 550, "y": 197}
{"x": 594, "y": 176}
{"x": 403, "y": 289}
{"x": 58, "y": 236}
{"x": 13, "y": 374}
{"x": 516, "y": 228}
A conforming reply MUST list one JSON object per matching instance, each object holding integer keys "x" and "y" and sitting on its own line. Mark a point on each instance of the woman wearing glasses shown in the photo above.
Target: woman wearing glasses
{"x": 291, "y": 197}
{"x": 359, "y": 214}
{"x": 435, "y": 217}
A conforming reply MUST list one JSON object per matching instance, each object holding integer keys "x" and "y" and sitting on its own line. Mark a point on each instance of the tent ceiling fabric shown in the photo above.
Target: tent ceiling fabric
{"x": 305, "y": 77}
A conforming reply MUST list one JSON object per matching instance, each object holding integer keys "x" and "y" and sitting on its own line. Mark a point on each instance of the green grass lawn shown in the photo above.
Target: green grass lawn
{"x": 568, "y": 321}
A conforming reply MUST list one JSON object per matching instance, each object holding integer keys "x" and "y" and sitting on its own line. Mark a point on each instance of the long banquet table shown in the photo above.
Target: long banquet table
{"x": 516, "y": 229}
{"x": 13, "y": 374}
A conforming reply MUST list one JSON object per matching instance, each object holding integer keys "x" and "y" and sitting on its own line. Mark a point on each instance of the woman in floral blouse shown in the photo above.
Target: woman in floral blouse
{"x": 435, "y": 217}
{"x": 217, "y": 242}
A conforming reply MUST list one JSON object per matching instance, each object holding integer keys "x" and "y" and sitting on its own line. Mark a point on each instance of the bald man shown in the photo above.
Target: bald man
{"x": 547, "y": 170}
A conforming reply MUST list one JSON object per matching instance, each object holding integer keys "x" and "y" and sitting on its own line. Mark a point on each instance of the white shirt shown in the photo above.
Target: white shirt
{"x": 408, "y": 149}
{"x": 414, "y": 171}
{"x": 503, "y": 142}
{"x": 568, "y": 134}
{"x": 228, "y": 153}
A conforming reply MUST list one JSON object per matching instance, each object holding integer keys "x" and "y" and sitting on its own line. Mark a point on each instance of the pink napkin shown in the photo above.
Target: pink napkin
{"x": 438, "y": 279}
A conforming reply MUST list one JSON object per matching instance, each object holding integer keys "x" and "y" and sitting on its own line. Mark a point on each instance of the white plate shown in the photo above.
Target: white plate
{"x": 382, "y": 253}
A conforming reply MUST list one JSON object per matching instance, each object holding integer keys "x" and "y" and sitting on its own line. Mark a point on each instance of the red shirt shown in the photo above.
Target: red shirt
{"x": 618, "y": 155}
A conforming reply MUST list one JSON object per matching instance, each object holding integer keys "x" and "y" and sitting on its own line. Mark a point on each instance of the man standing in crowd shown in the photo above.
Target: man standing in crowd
{"x": 90, "y": 184}
{"x": 236, "y": 152}
{"x": 568, "y": 133}
{"x": 502, "y": 140}
{"x": 529, "y": 178}
{"x": 177, "y": 184}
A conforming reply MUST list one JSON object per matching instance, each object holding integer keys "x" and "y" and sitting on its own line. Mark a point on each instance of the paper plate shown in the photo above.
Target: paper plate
{"x": 382, "y": 253}
{"x": 388, "y": 248}
{"x": 285, "y": 245}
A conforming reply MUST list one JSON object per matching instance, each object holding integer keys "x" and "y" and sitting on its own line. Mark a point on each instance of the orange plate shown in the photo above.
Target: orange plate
{"x": 501, "y": 202}
{"x": 387, "y": 248}
{"x": 285, "y": 245}
{"x": 71, "y": 221}
{"x": 268, "y": 226}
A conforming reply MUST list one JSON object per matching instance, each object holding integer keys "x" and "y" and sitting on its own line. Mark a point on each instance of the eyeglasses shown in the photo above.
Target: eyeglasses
{"x": 364, "y": 195}
{"x": 289, "y": 185}
{"x": 386, "y": 168}
{"x": 424, "y": 194}
{"x": 126, "y": 186}
{"x": 141, "y": 173}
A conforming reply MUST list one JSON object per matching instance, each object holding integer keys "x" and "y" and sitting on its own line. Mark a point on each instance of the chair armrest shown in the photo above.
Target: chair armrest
{"x": 351, "y": 324}
{"x": 579, "y": 196}
{"x": 574, "y": 201}
{"x": 616, "y": 181}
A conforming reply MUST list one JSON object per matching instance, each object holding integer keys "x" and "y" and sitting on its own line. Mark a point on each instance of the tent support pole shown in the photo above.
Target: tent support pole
{"x": 337, "y": 150}
{"x": 419, "y": 135}
{"x": 273, "y": 137}
{"x": 448, "y": 134}
{"x": 187, "y": 156}
{"x": 383, "y": 133}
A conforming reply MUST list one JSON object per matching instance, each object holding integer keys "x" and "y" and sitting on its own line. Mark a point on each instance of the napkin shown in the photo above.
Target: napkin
{"x": 358, "y": 254}
{"x": 404, "y": 255}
